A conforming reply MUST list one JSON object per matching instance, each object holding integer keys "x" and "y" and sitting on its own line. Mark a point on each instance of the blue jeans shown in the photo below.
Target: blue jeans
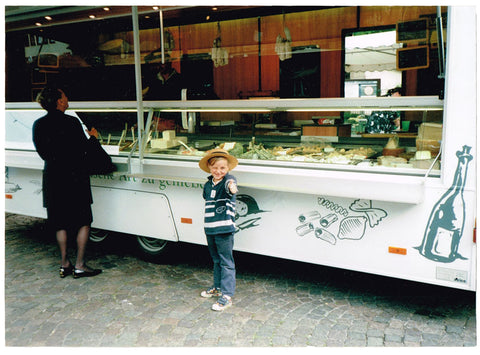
{"x": 221, "y": 251}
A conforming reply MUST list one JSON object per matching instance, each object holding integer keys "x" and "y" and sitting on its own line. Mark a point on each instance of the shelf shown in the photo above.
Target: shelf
{"x": 404, "y": 103}
{"x": 389, "y": 135}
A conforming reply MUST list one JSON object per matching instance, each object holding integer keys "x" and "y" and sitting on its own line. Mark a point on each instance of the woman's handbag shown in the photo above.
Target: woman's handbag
{"x": 98, "y": 161}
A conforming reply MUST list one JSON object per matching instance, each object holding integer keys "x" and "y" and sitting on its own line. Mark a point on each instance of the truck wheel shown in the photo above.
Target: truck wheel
{"x": 152, "y": 247}
{"x": 98, "y": 235}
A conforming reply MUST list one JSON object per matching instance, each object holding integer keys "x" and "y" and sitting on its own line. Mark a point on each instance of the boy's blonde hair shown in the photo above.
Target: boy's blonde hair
{"x": 213, "y": 160}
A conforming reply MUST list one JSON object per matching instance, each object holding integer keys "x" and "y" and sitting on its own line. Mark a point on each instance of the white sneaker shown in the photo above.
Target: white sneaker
{"x": 211, "y": 292}
{"x": 222, "y": 303}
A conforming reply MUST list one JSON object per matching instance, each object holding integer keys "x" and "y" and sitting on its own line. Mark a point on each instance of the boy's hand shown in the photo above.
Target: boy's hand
{"x": 232, "y": 187}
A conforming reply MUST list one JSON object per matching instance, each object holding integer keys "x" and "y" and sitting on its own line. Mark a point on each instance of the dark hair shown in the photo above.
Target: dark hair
{"x": 395, "y": 90}
{"x": 48, "y": 97}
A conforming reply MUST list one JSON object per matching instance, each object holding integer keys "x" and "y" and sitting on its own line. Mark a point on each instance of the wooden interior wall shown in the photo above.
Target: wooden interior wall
{"x": 322, "y": 28}
{"x": 386, "y": 15}
{"x": 240, "y": 37}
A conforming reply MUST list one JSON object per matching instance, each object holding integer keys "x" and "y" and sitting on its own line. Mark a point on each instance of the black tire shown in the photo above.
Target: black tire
{"x": 98, "y": 235}
{"x": 152, "y": 248}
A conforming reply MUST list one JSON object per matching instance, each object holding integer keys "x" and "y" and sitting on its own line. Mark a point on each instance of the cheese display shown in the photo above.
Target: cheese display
{"x": 392, "y": 148}
{"x": 168, "y": 140}
{"x": 323, "y": 153}
{"x": 320, "y": 153}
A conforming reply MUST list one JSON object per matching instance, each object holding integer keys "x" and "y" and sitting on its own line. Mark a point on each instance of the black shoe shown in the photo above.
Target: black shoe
{"x": 77, "y": 273}
{"x": 65, "y": 271}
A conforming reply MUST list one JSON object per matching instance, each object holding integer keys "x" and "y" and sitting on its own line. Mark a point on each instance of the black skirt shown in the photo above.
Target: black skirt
{"x": 68, "y": 198}
{"x": 69, "y": 217}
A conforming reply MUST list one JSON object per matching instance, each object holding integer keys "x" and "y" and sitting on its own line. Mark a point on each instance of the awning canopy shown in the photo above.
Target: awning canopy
{"x": 371, "y": 52}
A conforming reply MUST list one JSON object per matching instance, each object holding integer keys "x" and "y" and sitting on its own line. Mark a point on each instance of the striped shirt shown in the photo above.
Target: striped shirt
{"x": 219, "y": 206}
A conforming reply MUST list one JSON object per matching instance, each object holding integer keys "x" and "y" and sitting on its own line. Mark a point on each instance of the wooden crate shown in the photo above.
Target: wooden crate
{"x": 342, "y": 130}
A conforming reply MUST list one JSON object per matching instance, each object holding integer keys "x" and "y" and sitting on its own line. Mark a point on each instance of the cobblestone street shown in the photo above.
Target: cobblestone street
{"x": 278, "y": 303}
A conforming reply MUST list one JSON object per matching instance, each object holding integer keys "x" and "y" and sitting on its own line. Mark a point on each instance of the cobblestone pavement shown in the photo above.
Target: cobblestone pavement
{"x": 278, "y": 303}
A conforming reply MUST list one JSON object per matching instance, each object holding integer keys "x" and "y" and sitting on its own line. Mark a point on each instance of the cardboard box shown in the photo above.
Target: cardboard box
{"x": 429, "y": 137}
{"x": 431, "y": 145}
{"x": 430, "y": 131}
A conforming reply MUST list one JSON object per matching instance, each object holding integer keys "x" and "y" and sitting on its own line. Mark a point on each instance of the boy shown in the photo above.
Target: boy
{"x": 219, "y": 194}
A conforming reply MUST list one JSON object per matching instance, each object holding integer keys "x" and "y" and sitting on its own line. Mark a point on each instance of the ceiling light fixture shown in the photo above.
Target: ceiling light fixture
{"x": 48, "y": 18}
{"x": 38, "y": 24}
{"x": 92, "y": 16}
{"x": 106, "y": 9}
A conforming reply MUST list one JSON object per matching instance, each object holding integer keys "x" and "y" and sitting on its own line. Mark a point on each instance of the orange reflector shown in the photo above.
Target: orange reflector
{"x": 475, "y": 231}
{"x": 186, "y": 220}
{"x": 395, "y": 250}
{"x": 8, "y": 197}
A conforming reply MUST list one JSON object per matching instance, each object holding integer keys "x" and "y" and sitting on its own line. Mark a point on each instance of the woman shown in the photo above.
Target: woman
{"x": 61, "y": 141}
{"x": 385, "y": 121}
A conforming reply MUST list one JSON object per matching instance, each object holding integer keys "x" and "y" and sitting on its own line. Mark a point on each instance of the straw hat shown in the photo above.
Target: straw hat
{"x": 203, "y": 163}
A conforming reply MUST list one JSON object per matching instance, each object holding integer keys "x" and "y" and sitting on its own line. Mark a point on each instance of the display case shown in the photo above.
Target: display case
{"x": 239, "y": 126}
{"x": 176, "y": 133}
{"x": 288, "y": 133}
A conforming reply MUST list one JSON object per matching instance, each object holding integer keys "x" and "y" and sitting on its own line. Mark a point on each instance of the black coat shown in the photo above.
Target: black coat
{"x": 62, "y": 144}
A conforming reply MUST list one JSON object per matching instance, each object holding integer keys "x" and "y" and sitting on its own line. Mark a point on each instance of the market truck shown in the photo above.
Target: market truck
{"x": 334, "y": 200}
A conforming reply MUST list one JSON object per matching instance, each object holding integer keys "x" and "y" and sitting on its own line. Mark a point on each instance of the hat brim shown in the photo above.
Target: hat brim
{"x": 203, "y": 163}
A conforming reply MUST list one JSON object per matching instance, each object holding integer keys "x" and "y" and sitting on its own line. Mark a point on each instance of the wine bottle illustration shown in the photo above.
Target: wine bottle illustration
{"x": 445, "y": 224}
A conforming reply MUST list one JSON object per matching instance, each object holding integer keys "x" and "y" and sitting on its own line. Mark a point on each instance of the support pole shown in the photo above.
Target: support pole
{"x": 162, "y": 41}
{"x": 138, "y": 81}
{"x": 441, "y": 47}
{"x": 259, "y": 53}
